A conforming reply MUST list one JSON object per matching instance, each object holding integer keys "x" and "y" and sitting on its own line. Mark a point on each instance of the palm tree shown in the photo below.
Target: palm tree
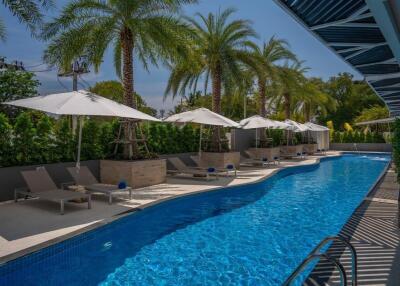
{"x": 27, "y": 12}
{"x": 272, "y": 52}
{"x": 219, "y": 48}
{"x": 314, "y": 101}
{"x": 291, "y": 82}
{"x": 147, "y": 29}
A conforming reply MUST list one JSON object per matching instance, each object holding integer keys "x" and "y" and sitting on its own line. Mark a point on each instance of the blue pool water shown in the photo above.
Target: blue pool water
{"x": 249, "y": 235}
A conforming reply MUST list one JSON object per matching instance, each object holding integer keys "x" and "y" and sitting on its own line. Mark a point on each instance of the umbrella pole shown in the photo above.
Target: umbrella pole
{"x": 78, "y": 157}
{"x": 201, "y": 129}
{"x": 256, "y": 137}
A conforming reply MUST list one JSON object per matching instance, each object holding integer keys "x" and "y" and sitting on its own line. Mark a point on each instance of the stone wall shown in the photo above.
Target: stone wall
{"x": 291, "y": 150}
{"x": 219, "y": 160}
{"x": 369, "y": 147}
{"x": 310, "y": 148}
{"x": 136, "y": 174}
{"x": 260, "y": 153}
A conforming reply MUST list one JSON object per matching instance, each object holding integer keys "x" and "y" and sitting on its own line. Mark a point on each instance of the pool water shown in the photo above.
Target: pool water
{"x": 249, "y": 235}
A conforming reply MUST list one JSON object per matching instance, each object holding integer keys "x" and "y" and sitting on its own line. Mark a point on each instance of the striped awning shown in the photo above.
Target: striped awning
{"x": 349, "y": 28}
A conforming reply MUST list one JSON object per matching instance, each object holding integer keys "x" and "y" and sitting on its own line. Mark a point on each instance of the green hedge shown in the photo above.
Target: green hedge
{"x": 357, "y": 137}
{"x": 34, "y": 138}
{"x": 396, "y": 147}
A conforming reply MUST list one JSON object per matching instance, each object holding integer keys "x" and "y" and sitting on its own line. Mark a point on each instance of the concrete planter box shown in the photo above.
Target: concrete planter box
{"x": 310, "y": 148}
{"x": 268, "y": 153}
{"x": 368, "y": 147}
{"x": 290, "y": 150}
{"x": 137, "y": 174}
{"x": 219, "y": 160}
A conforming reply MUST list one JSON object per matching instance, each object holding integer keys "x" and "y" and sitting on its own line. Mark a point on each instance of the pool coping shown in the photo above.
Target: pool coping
{"x": 312, "y": 278}
{"x": 38, "y": 247}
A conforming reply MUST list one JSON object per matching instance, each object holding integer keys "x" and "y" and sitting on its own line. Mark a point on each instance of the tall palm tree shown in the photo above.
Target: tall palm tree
{"x": 28, "y": 12}
{"x": 219, "y": 48}
{"x": 146, "y": 29}
{"x": 272, "y": 52}
{"x": 290, "y": 83}
{"x": 314, "y": 101}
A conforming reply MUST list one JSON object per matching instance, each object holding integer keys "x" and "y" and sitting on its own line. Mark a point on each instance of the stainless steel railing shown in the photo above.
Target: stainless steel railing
{"x": 316, "y": 254}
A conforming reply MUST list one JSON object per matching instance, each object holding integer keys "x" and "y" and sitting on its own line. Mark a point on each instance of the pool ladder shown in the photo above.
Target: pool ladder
{"x": 316, "y": 254}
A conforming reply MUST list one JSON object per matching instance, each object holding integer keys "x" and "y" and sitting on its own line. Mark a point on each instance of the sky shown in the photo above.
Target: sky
{"x": 267, "y": 18}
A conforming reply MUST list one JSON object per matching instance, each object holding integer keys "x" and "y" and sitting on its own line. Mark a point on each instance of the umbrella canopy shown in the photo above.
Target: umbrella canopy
{"x": 202, "y": 116}
{"x": 80, "y": 103}
{"x": 316, "y": 127}
{"x": 297, "y": 127}
{"x": 257, "y": 121}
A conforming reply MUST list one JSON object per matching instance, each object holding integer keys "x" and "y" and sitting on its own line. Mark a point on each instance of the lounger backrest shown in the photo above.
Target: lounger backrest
{"x": 82, "y": 176}
{"x": 250, "y": 154}
{"x": 195, "y": 159}
{"x": 177, "y": 163}
{"x": 38, "y": 180}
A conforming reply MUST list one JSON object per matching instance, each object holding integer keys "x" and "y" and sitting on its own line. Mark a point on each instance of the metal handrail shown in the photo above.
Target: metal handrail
{"x": 352, "y": 250}
{"x": 315, "y": 254}
{"x": 311, "y": 257}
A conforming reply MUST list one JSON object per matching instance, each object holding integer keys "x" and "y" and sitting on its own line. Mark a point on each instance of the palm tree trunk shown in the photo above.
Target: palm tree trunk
{"x": 216, "y": 105}
{"x": 127, "y": 81}
{"x": 307, "y": 109}
{"x": 263, "y": 98}
{"x": 286, "y": 97}
{"x": 262, "y": 110}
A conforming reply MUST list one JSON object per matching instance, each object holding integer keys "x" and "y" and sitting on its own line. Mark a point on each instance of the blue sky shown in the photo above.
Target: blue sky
{"x": 268, "y": 20}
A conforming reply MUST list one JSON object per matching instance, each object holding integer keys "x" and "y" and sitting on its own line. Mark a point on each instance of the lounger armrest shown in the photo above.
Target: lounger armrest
{"x": 65, "y": 185}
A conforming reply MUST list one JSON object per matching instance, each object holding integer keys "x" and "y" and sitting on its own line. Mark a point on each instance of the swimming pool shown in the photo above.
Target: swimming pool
{"x": 248, "y": 235}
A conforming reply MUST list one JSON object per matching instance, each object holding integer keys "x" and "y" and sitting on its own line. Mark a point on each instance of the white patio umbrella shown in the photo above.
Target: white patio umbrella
{"x": 202, "y": 116}
{"x": 316, "y": 127}
{"x": 257, "y": 121}
{"x": 296, "y": 126}
{"x": 80, "y": 103}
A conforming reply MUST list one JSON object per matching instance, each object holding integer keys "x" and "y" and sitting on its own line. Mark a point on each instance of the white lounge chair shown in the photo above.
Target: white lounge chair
{"x": 41, "y": 186}
{"x": 85, "y": 178}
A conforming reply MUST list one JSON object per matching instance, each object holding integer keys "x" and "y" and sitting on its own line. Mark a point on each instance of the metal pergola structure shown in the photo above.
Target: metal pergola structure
{"x": 364, "y": 33}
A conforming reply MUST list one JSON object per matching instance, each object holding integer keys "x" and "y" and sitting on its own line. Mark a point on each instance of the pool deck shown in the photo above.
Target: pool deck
{"x": 30, "y": 225}
{"x": 374, "y": 231}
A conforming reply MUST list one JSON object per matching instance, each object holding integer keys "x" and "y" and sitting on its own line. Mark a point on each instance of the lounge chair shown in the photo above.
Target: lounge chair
{"x": 321, "y": 152}
{"x": 84, "y": 177}
{"x": 181, "y": 168}
{"x": 300, "y": 155}
{"x": 230, "y": 168}
{"x": 253, "y": 162}
{"x": 41, "y": 186}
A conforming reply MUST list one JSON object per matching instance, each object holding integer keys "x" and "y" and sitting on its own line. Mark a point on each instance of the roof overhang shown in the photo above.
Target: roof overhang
{"x": 364, "y": 33}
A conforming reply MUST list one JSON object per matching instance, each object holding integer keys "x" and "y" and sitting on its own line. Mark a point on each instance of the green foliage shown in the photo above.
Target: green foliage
{"x": 276, "y": 135}
{"x": 357, "y": 137}
{"x": 28, "y": 12}
{"x": 64, "y": 141}
{"x": 372, "y": 113}
{"x": 114, "y": 90}
{"x": 6, "y": 158}
{"x": 171, "y": 139}
{"x": 45, "y": 146}
{"x": 91, "y": 147}
{"x": 352, "y": 97}
{"x": 24, "y": 144}
{"x": 16, "y": 85}
{"x": 396, "y": 147}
